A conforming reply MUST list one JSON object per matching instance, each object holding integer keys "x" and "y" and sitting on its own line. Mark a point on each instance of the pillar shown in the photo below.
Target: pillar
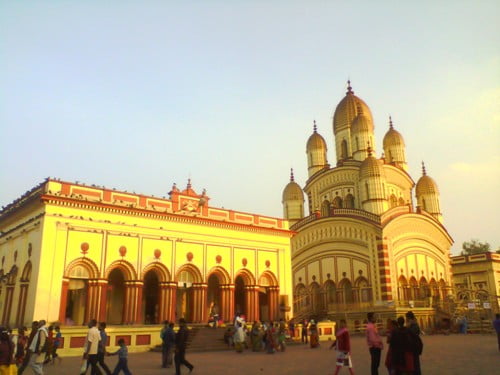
{"x": 384, "y": 270}
{"x": 64, "y": 300}
{"x": 227, "y": 302}
{"x": 103, "y": 294}
{"x": 252, "y": 302}
{"x": 8, "y": 303}
{"x": 132, "y": 304}
{"x": 167, "y": 301}
{"x": 273, "y": 293}
{"x": 23, "y": 294}
{"x": 199, "y": 312}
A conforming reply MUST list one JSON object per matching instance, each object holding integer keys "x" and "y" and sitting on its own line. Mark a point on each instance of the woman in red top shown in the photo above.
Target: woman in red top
{"x": 343, "y": 344}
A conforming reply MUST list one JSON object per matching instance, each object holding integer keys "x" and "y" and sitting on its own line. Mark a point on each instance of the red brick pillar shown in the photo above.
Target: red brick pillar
{"x": 103, "y": 294}
{"x": 132, "y": 303}
{"x": 252, "y": 302}
{"x": 64, "y": 300}
{"x": 227, "y": 302}
{"x": 199, "y": 314}
{"x": 384, "y": 270}
{"x": 273, "y": 300}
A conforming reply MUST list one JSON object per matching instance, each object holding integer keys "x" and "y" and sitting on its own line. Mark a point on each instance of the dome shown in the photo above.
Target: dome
{"x": 347, "y": 109}
{"x": 393, "y": 137}
{"x": 292, "y": 191}
{"x": 370, "y": 167}
{"x": 316, "y": 141}
{"x": 426, "y": 185}
{"x": 361, "y": 124}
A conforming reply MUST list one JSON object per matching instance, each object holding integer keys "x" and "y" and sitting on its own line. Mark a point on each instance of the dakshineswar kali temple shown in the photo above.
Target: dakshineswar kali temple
{"x": 71, "y": 252}
{"x": 372, "y": 240}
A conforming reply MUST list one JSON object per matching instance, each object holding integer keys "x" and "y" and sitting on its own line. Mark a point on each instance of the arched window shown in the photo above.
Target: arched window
{"x": 401, "y": 201}
{"x": 337, "y": 202}
{"x": 414, "y": 288}
{"x": 363, "y": 289}
{"x": 403, "y": 294}
{"x": 331, "y": 292}
{"x": 423, "y": 204}
{"x": 343, "y": 148}
{"x": 325, "y": 208}
{"x": 424, "y": 291}
{"x": 346, "y": 288}
{"x": 357, "y": 144}
{"x": 349, "y": 201}
{"x": 393, "y": 201}
{"x": 367, "y": 191}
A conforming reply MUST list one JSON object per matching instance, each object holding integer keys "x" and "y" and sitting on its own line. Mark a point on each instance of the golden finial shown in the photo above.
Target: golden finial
{"x": 349, "y": 88}
{"x": 315, "y": 128}
{"x": 292, "y": 179}
{"x": 390, "y": 122}
{"x": 423, "y": 169}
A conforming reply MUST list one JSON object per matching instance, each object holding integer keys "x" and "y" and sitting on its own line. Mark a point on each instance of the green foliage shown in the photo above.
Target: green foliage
{"x": 475, "y": 247}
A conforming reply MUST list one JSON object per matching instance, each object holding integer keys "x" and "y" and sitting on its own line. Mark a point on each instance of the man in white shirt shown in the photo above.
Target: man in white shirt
{"x": 91, "y": 347}
{"x": 38, "y": 348}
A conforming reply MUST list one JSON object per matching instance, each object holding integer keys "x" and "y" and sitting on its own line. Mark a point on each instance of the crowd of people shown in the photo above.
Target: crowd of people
{"x": 18, "y": 351}
{"x": 39, "y": 348}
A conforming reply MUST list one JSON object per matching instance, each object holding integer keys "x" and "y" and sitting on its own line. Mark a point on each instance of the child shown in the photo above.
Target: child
{"x": 122, "y": 359}
{"x": 57, "y": 344}
{"x": 343, "y": 344}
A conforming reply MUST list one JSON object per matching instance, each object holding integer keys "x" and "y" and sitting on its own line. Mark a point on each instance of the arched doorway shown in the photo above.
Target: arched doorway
{"x": 403, "y": 291}
{"x": 115, "y": 297}
{"x": 76, "y": 300}
{"x": 151, "y": 297}
{"x": 330, "y": 294}
{"x": 23, "y": 293}
{"x": 268, "y": 301}
{"x": 346, "y": 290}
{"x": 364, "y": 290}
{"x": 316, "y": 304}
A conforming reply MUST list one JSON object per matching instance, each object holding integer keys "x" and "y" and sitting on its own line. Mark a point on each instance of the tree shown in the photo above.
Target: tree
{"x": 475, "y": 247}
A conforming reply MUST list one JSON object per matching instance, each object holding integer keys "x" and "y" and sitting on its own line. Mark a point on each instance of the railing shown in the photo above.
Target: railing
{"x": 337, "y": 212}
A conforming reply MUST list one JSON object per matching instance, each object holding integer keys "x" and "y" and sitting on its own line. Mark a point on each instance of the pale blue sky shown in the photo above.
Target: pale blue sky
{"x": 137, "y": 95}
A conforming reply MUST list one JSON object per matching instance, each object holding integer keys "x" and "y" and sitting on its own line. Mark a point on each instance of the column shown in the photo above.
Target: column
{"x": 103, "y": 294}
{"x": 384, "y": 270}
{"x": 227, "y": 302}
{"x": 199, "y": 313}
{"x": 21, "y": 308}
{"x": 64, "y": 301}
{"x": 131, "y": 303}
{"x": 252, "y": 302}
{"x": 273, "y": 300}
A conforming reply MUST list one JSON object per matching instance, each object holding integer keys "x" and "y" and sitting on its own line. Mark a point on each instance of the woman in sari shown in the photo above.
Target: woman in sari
{"x": 239, "y": 338}
{"x": 256, "y": 337}
{"x": 313, "y": 332}
{"x": 270, "y": 339}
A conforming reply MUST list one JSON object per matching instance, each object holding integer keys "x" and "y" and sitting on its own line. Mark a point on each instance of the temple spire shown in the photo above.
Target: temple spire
{"x": 315, "y": 128}
{"x": 292, "y": 179}
{"x": 349, "y": 87}
{"x": 390, "y": 122}
{"x": 424, "y": 173}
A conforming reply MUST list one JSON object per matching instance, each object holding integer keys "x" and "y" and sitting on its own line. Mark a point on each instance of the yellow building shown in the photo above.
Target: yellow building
{"x": 477, "y": 283}
{"x": 364, "y": 245}
{"x": 71, "y": 252}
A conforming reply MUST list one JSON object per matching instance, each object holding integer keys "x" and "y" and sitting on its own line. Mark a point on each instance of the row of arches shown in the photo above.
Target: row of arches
{"x": 337, "y": 202}
{"x": 124, "y": 297}
{"x": 8, "y": 296}
{"x": 413, "y": 290}
{"x": 319, "y": 298}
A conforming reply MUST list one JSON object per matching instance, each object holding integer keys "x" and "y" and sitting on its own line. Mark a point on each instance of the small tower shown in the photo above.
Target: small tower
{"x": 361, "y": 137}
{"x": 346, "y": 111}
{"x": 428, "y": 195}
{"x": 316, "y": 152}
{"x": 372, "y": 185}
{"x": 293, "y": 201}
{"x": 394, "y": 147}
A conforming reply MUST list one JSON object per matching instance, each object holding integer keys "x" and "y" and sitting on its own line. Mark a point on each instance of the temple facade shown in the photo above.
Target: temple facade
{"x": 71, "y": 252}
{"x": 372, "y": 239}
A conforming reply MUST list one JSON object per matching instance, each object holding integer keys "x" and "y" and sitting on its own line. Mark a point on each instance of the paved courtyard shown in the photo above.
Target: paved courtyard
{"x": 443, "y": 355}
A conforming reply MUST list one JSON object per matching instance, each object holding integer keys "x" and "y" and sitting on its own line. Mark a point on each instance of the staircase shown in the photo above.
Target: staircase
{"x": 207, "y": 339}
{"x": 203, "y": 339}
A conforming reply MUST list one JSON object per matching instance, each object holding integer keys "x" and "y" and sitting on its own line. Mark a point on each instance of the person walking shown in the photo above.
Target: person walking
{"x": 169, "y": 341}
{"x": 122, "y": 364}
{"x": 20, "y": 348}
{"x": 374, "y": 342}
{"x": 91, "y": 347}
{"x": 38, "y": 348}
{"x": 304, "y": 331}
{"x": 34, "y": 330}
{"x": 7, "y": 350}
{"x": 496, "y": 325}
{"x": 343, "y": 347}
{"x": 180, "y": 348}
{"x": 413, "y": 327}
{"x": 163, "y": 336}
{"x": 56, "y": 344}
{"x": 101, "y": 349}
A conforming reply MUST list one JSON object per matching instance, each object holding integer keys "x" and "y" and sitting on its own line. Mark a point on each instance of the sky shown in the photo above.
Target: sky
{"x": 137, "y": 95}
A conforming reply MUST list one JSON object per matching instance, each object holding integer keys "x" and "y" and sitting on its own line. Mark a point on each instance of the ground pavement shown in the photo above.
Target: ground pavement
{"x": 443, "y": 355}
